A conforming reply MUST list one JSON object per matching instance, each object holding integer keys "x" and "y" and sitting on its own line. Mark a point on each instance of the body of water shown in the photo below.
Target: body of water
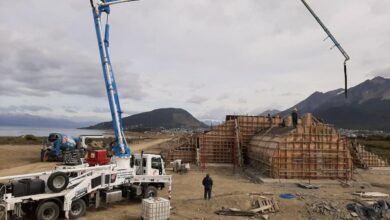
{"x": 42, "y": 132}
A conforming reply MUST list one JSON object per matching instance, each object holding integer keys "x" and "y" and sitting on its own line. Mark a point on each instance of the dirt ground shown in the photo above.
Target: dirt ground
{"x": 148, "y": 144}
{"x": 230, "y": 190}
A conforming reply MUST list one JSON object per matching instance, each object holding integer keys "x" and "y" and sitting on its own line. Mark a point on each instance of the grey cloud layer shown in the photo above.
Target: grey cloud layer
{"x": 24, "y": 109}
{"x": 32, "y": 67}
{"x": 197, "y": 99}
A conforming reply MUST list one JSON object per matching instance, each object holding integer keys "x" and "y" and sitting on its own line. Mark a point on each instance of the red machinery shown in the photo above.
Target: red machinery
{"x": 97, "y": 157}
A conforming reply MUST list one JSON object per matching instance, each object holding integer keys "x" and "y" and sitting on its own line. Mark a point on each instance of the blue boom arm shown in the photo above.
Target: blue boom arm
{"x": 121, "y": 149}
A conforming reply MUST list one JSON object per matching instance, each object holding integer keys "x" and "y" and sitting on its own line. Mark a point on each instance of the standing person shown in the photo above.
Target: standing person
{"x": 208, "y": 186}
{"x": 269, "y": 118}
{"x": 294, "y": 116}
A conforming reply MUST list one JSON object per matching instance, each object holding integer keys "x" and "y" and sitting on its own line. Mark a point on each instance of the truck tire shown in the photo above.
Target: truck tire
{"x": 150, "y": 191}
{"x": 28, "y": 209}
{"x": 78, "y": 209}
{"x": 47, "y": 211}
{"x": 3, "y": 213}
{"x": 58, "y": 181}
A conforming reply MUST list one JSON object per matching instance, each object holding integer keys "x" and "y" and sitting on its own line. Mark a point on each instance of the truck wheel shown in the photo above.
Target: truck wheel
{"x": 150, "y": 191}
{"x": 78, "y": 209}
{"x": 58, "y": 181}
{"x": 47, "y": 211}
{"x": 28, "y": 209}
{"x": 3, "y": 213}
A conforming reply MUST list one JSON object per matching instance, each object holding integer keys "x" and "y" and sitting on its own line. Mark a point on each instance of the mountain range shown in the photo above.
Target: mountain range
{"x": 27, "y": 120}
{"x": 367, "y": 106}
{"x": 269, "y": 112}
{"x": 167, "y": 118}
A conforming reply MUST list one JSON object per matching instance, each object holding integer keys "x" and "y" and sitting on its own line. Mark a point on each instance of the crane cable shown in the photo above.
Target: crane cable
{"x": 336, "y": 44}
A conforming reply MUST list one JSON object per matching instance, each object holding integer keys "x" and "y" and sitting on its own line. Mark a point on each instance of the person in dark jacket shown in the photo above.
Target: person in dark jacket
{"x": 294, "y": 116}
{"x": 269, "y": 119}
{"x": 208, "y": 186}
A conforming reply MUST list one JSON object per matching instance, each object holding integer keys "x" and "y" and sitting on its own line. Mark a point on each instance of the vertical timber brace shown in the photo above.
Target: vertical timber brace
{"x": 238, "y": 143}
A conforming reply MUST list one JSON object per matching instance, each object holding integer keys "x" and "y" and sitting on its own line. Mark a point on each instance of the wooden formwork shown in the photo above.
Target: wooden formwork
{"x": 187, "y": 156}
{"x": 366, "y": 159}
{"x": 216, "y": 146}
{"x": 307, "y": 152}
{"x": 182, "y": 148}
{"x": 227, "y": 142}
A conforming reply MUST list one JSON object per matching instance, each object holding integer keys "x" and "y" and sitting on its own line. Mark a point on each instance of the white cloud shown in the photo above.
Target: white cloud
{"x": 385, "y": 72}
{"x": 30, "y": 68}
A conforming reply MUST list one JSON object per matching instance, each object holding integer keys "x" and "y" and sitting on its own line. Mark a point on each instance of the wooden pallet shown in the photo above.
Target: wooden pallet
{"x": 266, "y": 205}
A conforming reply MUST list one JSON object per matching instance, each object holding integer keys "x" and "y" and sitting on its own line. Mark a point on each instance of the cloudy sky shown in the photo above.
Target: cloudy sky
{"x": 210, "y": 57}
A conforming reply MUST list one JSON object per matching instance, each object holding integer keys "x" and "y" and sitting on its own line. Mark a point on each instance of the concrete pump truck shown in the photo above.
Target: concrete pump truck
{"x": 75, "y": 185}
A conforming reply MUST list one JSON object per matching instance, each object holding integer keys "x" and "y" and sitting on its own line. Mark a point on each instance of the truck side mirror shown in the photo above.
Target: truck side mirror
{"x": 132, "y": 161}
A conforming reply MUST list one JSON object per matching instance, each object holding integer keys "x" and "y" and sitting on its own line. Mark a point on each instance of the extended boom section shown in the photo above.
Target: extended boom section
{"x": 336, "y": 44}
{"x": 121, "y": 149}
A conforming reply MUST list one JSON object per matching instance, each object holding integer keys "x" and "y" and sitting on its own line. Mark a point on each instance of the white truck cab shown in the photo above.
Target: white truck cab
{"x": 151, "y": 165}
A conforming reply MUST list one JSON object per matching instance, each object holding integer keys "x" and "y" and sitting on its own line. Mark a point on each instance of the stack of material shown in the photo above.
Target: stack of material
{"x": 366, "y": 159}
{"x": 312, "y": 150}
{"x": 227, "y": 142}
{"x": 155, "y": 209}
{"x": 265, "y": 205}
{"x": 260, "y": 205}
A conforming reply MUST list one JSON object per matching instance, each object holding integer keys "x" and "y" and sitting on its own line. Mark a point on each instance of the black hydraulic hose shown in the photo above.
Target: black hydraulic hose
{"x": 345, "y": 79}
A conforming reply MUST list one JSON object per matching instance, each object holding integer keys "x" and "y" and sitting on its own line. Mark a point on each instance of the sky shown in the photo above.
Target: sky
{"x": 210, "y": 57}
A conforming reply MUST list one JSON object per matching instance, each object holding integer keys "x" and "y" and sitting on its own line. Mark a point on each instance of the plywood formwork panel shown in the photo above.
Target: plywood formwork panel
{"x": 220, "y": 144}
{"x": 312, "y": 150}
{"x": 308, "y": 152}
{"x": 366, "y": 159}
{"x": 180, "y": 148}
